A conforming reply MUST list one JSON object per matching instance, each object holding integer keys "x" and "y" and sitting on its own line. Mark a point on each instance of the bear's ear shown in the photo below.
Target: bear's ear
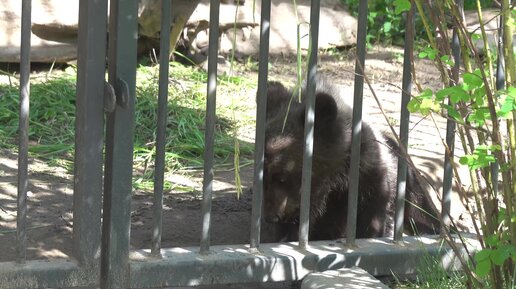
{"x": 326, "y": 111}
{"x": 277, "y": 94}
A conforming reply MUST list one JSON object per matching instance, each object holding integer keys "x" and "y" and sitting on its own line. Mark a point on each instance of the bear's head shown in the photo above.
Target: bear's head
{"x": 284, "y": 148}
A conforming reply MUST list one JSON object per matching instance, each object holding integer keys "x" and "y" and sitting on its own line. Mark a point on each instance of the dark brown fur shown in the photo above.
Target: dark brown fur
{"x": 330, "y": 172}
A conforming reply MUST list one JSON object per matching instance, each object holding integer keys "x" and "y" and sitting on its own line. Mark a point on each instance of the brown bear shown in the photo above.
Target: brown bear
{"x": 379, "y": 154}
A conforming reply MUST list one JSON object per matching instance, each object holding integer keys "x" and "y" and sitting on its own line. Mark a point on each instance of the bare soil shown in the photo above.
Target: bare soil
{"x": 50, "y": 196}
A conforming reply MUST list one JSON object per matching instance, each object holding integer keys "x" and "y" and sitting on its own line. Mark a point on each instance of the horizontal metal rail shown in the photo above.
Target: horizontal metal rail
{"x": 285, "y": 262}
{"x": 47, "y": 274}
{"x": 240, "y": 264}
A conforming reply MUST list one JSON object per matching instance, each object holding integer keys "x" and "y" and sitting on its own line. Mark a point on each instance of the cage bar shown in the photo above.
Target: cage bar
{"x": 123, "y": 29}
{"x": 500, "y": 61}
{"x": 357, "y": 124}
{"x": 23, "y": 142}
{"x": 159, "y": 168}
{"x": 210, "y": 125}
{"x": 261, "y": 107}
{"x": 306, "y": 180}
{"x": 89, "y": 131}
{"x": 450, "y": 128}
{"x": 406, "y": 89}
{"x": 500, "y": 84}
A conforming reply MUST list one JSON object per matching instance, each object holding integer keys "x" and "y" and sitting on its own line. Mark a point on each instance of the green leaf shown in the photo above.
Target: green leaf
{"x": 427, "y": 105}
{"x": 483, "y": 268}
{"x": 483, "y": 255}
{"x": 473, "y": 80}
{"x": 501, "y": 254}
{"x": 401, "y": 6}
{"x": 476, "y": 36}
{"x": 483, "y": 262}
{"x": 453, "y": 113}
{"x": 467, "y": 159}
{"x": 456, "y": 94}
{"x": 480, "y": 158}
{"x": 413, "y": 105}
{"x": 446, "y": 59}
{"x": 422, "y": 103}
{"x": 387, "y": 27}
{"x": 479, "y": 116}
{"x": 479, "y": 95}
{"x": 507, "y": 107}
{"x": 511, "y": 90}
{"x": 427, "y": 93}
{"x": 492, "y": 240}
{"x": 429, "y": 53}
{"x": 495, "y": 147}
{"x": 423, "y": 54}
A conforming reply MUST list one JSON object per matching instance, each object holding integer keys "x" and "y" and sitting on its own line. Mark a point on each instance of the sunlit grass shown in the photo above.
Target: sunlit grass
{"x": 52, "y": 119}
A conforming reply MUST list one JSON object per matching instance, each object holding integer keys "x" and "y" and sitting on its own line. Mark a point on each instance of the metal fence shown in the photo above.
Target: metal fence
{"x": 102, "y": 185}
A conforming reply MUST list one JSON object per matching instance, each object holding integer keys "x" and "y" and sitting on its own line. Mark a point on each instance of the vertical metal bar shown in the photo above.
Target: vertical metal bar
{"x": 159, "y": 170}
{"x": 500, "y": 84}
{"x": 306, "y": 180}
{"x": 404, "y": 125}
{"x": 23, "y": 142}
{"x": 357, "y": 124}
{"x": 123, "y": 34}
{"x": 210, "y": 125}
{"x": 256, "y": 212}
{"x": 450, "y": 131}
{"x": 89, "y": 131}
{"x": 500, "y": 61}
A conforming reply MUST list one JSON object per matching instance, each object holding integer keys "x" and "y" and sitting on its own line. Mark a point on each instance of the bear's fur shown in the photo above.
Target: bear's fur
{"x": 284, "y": 143}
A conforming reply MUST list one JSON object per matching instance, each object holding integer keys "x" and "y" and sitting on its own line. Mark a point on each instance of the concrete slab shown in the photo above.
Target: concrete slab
{"x": 348, "y": 278}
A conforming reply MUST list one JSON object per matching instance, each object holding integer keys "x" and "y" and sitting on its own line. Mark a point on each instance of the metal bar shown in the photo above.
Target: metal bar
{"x": 450, "y": 131}
{"x": 89, "y": 131}
{"x": 306, "y": 179}
{"x": 159, "y": 168}
{"x": 123, "y": 34}
{"x": 404, "y": 125}
{"x": 261, "y": 107}
{"x": 500, "y": 61}
{"x": 45, "y": 274}
{"x": 284, "y": 262}
{"x": 357, "y": 125}
{"x": 500, "y": 84}
{"x": 23, "y": 142}
{"x": 210, "y": 125}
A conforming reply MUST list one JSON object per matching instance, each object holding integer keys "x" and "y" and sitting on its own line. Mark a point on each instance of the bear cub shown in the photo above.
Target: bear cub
{"x": 284, "y": 144}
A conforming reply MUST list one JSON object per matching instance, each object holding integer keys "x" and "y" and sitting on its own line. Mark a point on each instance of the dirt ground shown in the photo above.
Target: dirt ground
{"x": 50, "y": 191}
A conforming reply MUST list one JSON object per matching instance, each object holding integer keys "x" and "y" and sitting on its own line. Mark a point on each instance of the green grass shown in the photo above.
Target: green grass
{"x": 431, "y": 275}
{"x": 52, "y": 119}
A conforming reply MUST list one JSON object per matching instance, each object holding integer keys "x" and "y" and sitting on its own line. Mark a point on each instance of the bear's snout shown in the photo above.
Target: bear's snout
{"x": 272, "y": 219}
